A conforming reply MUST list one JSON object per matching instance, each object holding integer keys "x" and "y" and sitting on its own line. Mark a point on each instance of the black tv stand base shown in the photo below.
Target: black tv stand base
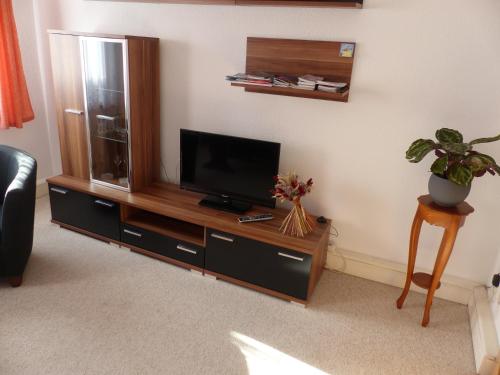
{"x": 225, "y": 204}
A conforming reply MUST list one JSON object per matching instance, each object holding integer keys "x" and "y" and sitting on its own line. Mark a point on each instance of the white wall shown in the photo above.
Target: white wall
{"x": 33, "y": 138}
{"x": 420, "y": 65}
{"x": 494, "y": 294}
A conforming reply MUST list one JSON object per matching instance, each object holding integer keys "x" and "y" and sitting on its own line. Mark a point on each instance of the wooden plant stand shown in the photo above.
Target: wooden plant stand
{"x": 451, "y": 219}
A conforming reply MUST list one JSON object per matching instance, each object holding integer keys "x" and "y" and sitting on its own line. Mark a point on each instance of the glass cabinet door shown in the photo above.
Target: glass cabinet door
{"x": 104, "y": 65}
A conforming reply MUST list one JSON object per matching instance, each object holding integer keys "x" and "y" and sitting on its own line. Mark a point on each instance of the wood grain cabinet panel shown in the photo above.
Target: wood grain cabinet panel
{"x": 70, "y": 106}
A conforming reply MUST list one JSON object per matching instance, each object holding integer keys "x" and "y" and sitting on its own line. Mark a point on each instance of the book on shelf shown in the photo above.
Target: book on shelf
{"x": 332, "y": 89}
{"x": 304, "y": 87}
{"x": 307, "y": 82}
{"x": 260, "y": 79}
{"x": 309, "y": 79}
{"x": 254, "y": 83}
{"x": 284, "y": 81}
{"x": 331, "y": 84}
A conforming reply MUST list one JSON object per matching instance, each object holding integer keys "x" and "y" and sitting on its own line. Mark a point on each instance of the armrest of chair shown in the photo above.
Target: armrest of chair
{"x": 18, "y": 223}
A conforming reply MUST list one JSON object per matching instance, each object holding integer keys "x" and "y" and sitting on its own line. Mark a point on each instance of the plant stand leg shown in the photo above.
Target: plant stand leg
{"x": 450, "y": 234}
{"x": 412, "y": 256}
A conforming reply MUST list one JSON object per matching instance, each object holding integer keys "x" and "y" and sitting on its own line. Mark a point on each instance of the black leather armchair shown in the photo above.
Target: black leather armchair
{"x": 17, "y": 212}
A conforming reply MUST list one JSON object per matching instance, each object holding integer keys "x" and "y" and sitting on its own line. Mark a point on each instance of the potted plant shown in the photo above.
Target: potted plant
{"x": 456, "y": 165}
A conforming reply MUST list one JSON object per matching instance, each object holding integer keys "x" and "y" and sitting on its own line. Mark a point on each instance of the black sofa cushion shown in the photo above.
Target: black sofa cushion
{"x": 17, "y": 209}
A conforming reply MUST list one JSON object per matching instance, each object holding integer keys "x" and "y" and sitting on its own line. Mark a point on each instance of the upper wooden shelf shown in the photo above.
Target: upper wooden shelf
{"x": 304, "y": 3}
{"x": 356, "y": 4}
{"x": 294, "y": 57}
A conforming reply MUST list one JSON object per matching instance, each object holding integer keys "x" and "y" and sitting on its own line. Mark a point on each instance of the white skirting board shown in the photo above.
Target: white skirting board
{"x": 353, "y": 263}
{"x": 484, "y": 335}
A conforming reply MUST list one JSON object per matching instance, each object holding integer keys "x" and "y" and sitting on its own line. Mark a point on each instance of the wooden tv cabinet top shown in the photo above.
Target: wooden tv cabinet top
{"x": 171, "y": 201}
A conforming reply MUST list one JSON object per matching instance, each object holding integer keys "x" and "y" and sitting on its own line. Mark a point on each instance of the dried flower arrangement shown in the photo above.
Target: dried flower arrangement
{"x": 288, "y": 188}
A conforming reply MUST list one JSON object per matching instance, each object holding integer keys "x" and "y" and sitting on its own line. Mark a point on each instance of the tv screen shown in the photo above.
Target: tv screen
{"x": 240, "y": 168}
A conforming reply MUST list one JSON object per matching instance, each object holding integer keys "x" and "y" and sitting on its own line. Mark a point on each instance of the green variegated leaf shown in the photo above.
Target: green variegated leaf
{"x": 486, "y": 158}
{"x": 418, "y": 149}
{"x": 479, "y": 162}
{"x": 460, "y": 174}
{"x": 456, "y": 160}
{"x": 485, "y": 140}
{"x": 446, "y": 135}
{"x": 456, "y": 148}
{"x": 439, "y": 166}
{"x": 476, "y": 164}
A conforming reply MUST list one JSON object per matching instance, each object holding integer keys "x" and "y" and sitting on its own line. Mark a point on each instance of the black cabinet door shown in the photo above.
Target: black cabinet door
{"x": 262, "y": 264}
{"x": 145, "y": 239}
{"x": 169, "y": 247}
{"x": 84, "y": 211}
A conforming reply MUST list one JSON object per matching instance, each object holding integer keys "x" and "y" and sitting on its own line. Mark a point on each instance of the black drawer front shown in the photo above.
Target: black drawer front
{"x": 84, "y": 211}
{"x": 271, "y": 267}
{"x": 169, "y": 247}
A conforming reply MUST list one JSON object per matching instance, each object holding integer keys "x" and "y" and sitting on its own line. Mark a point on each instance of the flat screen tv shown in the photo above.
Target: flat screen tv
{"x": 234, "y": 172}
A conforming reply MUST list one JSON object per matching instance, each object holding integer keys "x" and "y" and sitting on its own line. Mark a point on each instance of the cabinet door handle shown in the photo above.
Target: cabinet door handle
{"x": 107, "y": 118}
{"x": 186, "y": 249}
{"x": 73, "y": 111}
{"x": 58, "y": 190}
{"x": 136, "y": 234}
{"x": 104, "y": 203}
{"x": 290, "y": 256}
{"x": 223, "y": 238}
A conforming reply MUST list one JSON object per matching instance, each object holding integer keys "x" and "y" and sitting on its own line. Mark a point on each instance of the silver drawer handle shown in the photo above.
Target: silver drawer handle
{"x": 57, "y": 190}
{"x": 223, "y": 238}
{"x": 73, "y": 111}
{"x": 187, "y": 250}
{"x": 291, "y": 257}
{"x": 132, "y": 233}
{"x": 107, "y": 118}
{"x": 104, "y": 203}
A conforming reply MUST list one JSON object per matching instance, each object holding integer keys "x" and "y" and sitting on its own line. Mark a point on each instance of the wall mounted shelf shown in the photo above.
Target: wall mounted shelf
{"x": 302, "y": 3}
{"x": 293, "y": 57}
{"x": 355, "y": 4}
{"x": 288, "y": 91}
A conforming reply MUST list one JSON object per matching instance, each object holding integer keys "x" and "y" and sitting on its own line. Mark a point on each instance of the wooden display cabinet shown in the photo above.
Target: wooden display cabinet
{"x": 107, "y": 103}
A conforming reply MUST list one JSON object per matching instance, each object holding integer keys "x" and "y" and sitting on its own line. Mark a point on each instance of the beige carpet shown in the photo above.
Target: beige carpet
{"x": 90, "y": 308}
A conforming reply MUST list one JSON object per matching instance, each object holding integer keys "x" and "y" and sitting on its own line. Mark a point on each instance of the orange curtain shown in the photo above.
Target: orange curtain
{"x": 15, "y": 105}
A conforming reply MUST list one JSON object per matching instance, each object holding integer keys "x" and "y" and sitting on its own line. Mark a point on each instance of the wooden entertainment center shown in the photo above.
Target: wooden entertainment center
{"x": 110, "y": 188}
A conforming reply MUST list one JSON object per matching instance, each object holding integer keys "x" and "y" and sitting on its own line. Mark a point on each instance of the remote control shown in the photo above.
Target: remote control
{"x": 249, "y": 219}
